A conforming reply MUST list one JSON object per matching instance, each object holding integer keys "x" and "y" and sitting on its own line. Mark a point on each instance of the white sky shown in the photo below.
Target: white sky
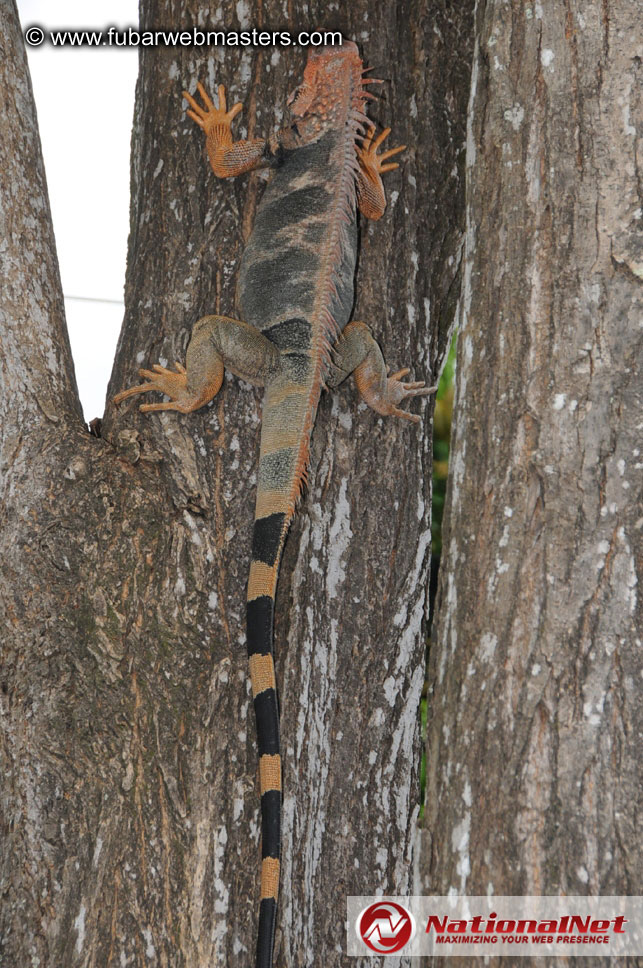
{"x": 85, "y": 103}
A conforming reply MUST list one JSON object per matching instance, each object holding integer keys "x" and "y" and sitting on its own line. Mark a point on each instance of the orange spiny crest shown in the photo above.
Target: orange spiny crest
{"x": 332, "y": 86}
{"x": 317, "y": 90}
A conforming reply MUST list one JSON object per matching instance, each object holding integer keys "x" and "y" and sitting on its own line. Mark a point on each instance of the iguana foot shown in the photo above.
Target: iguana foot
{"x": 358, "y": 353}
{"x": 216, "y": 342}
{"x": 371, "y": 162}
{"x": 173, "y": 384}
{"x": 210, "y": 119}
{"x": 398, "y": 392}
{"x": 370, "y": 190}
{"x": 227, "y": 157}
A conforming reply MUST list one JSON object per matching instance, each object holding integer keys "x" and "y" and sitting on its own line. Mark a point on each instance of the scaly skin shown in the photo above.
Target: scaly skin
{"x": 296, "y": 292}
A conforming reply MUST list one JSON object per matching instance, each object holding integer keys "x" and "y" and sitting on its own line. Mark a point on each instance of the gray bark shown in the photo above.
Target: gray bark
{"x": 129, "y": 803}
{"x": 534, "y": 755}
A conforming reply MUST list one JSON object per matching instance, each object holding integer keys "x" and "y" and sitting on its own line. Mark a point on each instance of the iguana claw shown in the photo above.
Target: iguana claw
{"x": 209, "y": 117}
{"x": 368, "y": 156}
{"x": 398, "y": 392}
{"x": 162, "y": 380}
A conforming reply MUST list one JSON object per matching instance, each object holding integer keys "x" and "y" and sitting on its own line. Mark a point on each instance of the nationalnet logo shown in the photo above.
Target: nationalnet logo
{"x": 512, "y": 926}
{"x": 385, "y": 927}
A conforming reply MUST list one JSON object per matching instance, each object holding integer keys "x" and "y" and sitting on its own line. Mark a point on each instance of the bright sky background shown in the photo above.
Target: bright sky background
{"x": 85, "y": 103}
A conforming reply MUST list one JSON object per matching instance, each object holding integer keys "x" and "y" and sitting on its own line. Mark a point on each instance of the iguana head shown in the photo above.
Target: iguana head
{"x": 330, "y": 93}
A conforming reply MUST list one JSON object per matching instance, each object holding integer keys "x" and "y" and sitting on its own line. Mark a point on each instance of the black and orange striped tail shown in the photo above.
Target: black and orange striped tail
{"x": 268, "y": 540}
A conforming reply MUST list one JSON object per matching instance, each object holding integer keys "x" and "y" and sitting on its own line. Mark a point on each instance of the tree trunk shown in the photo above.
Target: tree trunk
{"x": 534, "y": 764}
{"x": 129, "y": 807}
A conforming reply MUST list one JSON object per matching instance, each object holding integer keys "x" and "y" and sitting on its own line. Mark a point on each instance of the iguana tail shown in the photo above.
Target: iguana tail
{"x": 288, "y": 414}
{"x": 268, "y": 539}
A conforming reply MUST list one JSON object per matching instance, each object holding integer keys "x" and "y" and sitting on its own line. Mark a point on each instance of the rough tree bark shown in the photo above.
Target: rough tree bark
{"x": 534, "y": 773}
{"x": 129, "y": 799}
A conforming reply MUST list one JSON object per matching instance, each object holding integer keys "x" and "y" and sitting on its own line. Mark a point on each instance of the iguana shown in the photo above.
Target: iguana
{"x": 295, "y": 293}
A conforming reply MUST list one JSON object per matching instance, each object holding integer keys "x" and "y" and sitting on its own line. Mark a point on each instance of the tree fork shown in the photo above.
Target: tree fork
{"x": 129, "y": 806}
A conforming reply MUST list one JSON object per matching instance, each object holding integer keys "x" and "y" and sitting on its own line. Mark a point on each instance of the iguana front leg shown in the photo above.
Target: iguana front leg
{"x": 217, "y": 342}
{"x": 227, "y": 157}
{"x": 370, "y": 190}
{"x": 358, "y": 353}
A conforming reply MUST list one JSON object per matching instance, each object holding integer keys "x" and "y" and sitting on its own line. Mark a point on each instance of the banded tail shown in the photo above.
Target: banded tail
{"x": 268, "y": 539}
{"x": 288, "y": 414}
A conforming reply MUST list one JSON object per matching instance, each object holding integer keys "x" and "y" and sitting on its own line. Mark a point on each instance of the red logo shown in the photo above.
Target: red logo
{"x": 385, "y": 927}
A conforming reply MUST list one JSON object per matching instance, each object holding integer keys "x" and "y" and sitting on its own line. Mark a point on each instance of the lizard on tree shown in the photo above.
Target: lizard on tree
{"x": 296, "y": 287}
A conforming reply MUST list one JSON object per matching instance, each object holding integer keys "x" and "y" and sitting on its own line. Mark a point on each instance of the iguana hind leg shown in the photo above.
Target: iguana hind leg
{"x": 217, "y": 342}
{"x": 358, "y": 353}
